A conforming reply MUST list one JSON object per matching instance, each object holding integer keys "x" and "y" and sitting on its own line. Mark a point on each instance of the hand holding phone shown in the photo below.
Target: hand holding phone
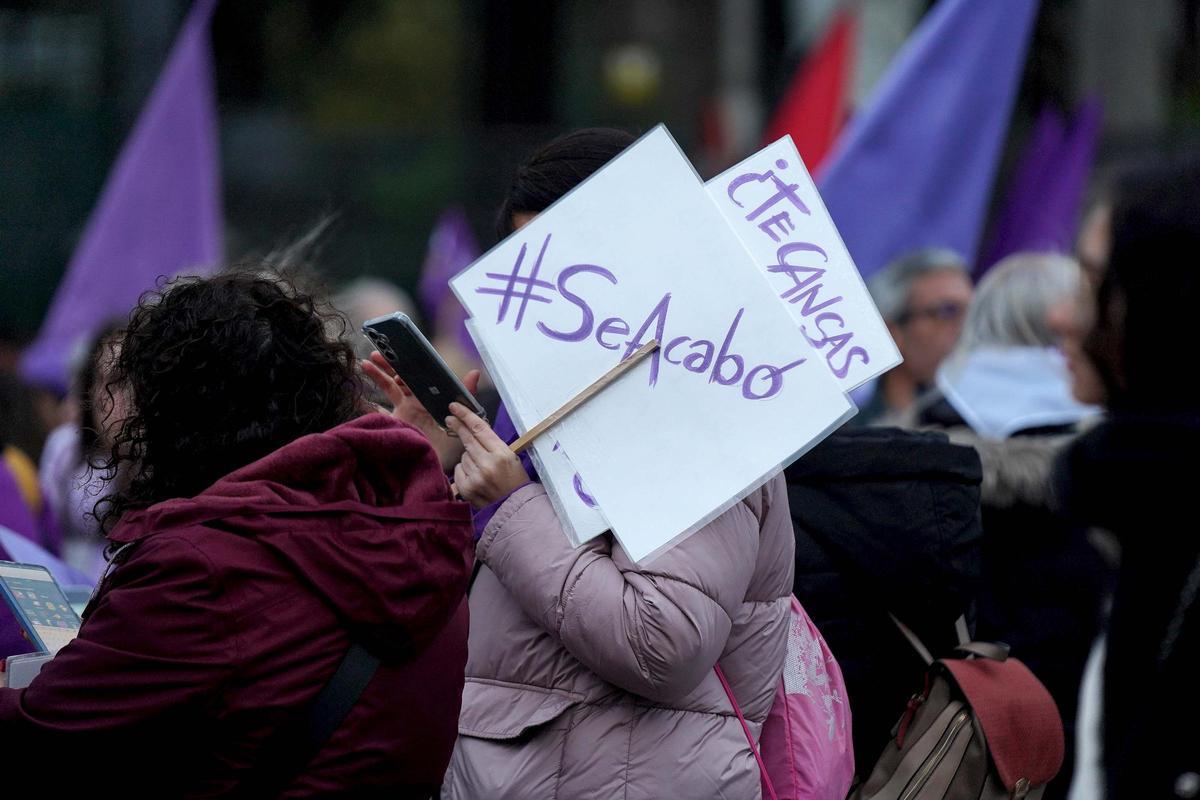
{"x": 419, "y": 366}
{"x": 408, "y": 408}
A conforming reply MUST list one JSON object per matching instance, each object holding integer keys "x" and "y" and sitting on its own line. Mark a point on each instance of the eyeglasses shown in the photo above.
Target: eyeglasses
{"x": 941, "y": 312}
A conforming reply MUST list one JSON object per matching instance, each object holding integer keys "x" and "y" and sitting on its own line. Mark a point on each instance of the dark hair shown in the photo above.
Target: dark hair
{"x": 85, "y": 381}
{"x": 557, "y": 168}
{"x": 1151, "y": 285}
{"x": 220, "y": 372}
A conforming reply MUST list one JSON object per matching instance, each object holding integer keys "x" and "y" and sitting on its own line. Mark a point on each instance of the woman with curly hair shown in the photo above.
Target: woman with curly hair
{"x": 273, "y": 531}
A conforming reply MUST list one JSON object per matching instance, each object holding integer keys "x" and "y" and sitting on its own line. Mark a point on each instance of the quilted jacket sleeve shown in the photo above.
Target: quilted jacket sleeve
{"x": 654, "y": 630}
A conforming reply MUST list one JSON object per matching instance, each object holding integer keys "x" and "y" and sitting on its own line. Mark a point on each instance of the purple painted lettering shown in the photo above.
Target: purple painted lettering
{"x": 805, "y": 298}
{"x": 817, "y": 323}
{"x": 699, "y": 362}
{"x": 723, "y": 356}
{"x": 783, "y": 191}
{"x": 804, "y": 288}
{"x": 742, "y": 180}
{"x": 659, "y": 313}
{"x": 678, "y": 340}
{"x": 782, "y": 221}
{"x": 842, "y": 371}
{"x": 611, "y": 325}
{"x": 585, "y": 326}
{"x": 515, "y": 279}
{"x": 724, "y": 366}
{"x": 587, "y": 499}
{"x": 838, "y": 341}
{"x": 771, "y": 373}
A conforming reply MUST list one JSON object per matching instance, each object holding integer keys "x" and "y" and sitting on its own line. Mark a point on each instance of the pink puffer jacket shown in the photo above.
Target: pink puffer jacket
{"x": 591, "y": 677}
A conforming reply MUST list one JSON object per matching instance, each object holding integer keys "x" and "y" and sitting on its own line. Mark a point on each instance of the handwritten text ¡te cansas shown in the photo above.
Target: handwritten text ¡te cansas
{"x": 803, "y": 282}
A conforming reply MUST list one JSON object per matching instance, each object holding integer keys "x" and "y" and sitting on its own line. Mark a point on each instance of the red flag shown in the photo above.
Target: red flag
{"x": 813, "y": 108}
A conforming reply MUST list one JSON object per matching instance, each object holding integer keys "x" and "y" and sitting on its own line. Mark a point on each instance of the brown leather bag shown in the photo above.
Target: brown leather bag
{"x": 983, "y": 728}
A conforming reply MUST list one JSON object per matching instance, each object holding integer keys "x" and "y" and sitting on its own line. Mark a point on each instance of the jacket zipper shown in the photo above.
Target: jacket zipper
{"x": 931, "y": 762}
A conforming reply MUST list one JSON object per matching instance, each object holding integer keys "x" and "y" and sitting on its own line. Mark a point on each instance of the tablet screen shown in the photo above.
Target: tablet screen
{"x": 43, "y": 608}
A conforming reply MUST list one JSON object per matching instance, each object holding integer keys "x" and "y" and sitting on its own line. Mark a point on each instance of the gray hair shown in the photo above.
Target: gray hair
{"x": 365, "y": 298}
{"x": 1012, "y": 302}
{"x": 891, "y": 286}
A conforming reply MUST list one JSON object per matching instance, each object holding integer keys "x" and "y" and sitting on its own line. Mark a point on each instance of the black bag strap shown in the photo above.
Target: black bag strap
{"x": 293, "y": 747}
{"x": 332, "y": 705}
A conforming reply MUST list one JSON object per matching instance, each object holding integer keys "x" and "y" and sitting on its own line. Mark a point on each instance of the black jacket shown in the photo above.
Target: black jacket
{"x": 1136, "y": 477}
{"x": 885, "y": 520}
{"x": 1044, "y": 585}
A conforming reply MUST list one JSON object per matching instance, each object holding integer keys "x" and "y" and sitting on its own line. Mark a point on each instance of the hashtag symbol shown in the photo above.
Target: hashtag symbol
{"x": 519, "y": 286}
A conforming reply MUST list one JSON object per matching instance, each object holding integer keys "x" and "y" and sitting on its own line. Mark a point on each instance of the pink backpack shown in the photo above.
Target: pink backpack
{"x": 805, "y": 751}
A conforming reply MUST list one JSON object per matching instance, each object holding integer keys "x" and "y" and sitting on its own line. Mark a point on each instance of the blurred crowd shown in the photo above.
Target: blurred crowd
{"x": 1026, "y": 470}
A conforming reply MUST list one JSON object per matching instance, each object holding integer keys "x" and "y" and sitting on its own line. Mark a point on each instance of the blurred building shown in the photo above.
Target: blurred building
{"x": 385, "y": 111}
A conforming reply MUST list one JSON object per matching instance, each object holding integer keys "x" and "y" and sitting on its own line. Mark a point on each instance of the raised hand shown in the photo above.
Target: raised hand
{"x": 489, "y": 470}
{"x": 406, "y": 407}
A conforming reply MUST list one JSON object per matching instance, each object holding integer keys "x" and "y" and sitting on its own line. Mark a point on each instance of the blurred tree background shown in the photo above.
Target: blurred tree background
{"x": 384, "y": 112}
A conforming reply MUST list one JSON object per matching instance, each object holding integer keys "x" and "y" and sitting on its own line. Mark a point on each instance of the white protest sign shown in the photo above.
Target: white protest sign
{"x": 577, "y": 510}
{"x": 770, "y": 201}
{"x": 640, "y": 251}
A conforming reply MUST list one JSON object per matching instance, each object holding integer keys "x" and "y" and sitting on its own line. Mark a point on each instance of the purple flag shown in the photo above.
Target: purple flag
{"x": 1073, "y": 168}
{"x": 15, "y": 513}
{"x": 1041, "y": 208}
{"x": 452, "y": 247}
{"x": 1022, "y": 199}
{"x": 915, "y": 166}
{"x": 159, "y": 213}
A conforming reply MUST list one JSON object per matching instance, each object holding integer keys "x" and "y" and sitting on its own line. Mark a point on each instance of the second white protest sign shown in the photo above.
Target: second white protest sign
{"x": 770, "y": 201}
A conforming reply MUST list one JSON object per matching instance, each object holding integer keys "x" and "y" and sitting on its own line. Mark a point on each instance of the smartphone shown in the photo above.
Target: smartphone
{"x": 41, "y": 608}
{"x": 418, "y": 364}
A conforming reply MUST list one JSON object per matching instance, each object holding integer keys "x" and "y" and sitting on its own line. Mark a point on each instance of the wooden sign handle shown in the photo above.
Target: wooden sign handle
{"x": 578, "y": 400}
{"x": 522, "y": 443}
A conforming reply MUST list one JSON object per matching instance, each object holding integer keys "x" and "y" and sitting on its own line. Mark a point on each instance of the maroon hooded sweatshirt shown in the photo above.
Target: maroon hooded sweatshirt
{"x": 226, "y": 613}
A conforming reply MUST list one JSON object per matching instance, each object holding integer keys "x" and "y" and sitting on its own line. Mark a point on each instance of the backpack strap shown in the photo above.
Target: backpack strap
{"x": 961, "y": 630}
{"x": 914, "y": 640}
{"x": 762, "y": 767}
{"x": 983, "y": 649}
{"x": 332, "y": 705}
{"x": 996, "y": 651}
{"x": 293, "y": 746}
